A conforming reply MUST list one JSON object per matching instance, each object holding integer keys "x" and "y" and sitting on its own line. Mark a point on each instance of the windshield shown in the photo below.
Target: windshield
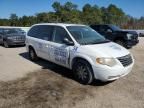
{"x": 86, "y": 35}
{"x": 115, "y": 28}
{"x": 13, "y": 31}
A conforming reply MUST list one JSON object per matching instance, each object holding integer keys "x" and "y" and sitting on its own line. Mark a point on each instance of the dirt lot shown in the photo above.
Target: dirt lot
{"x": 52, "y": 86}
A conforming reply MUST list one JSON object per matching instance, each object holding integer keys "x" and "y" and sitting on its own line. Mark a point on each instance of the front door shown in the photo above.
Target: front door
{"x": 59, "y": 51}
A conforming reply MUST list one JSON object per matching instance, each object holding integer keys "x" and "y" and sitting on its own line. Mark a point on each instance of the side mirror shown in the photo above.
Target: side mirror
{"x": 68, "y": 42}
{"x": 109, "y": 31}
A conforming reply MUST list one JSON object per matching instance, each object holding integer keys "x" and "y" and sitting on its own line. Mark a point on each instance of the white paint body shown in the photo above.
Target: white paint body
{"x": 47, "y": 50}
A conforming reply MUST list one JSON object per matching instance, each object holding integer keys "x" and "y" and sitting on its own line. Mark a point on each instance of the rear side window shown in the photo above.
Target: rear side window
{"x": 43, "y": 32}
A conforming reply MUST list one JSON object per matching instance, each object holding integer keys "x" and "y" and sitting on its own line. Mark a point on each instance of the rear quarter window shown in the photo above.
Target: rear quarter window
{"x": 43, "y": 32}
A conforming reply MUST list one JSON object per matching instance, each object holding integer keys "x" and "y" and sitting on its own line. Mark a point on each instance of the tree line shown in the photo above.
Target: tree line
{"x": 69, "y": 13}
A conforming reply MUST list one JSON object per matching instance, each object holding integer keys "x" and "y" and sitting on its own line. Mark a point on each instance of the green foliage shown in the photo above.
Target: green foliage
{"x": 13, "y": 19}
{"x": 69, "y": 13}
{"x": 91, "y": 14}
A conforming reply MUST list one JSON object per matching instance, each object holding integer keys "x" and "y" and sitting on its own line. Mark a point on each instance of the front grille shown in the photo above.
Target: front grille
{"x": 126, "y": 60}
{"x": 135, "y": 37}
{"x": 19, "y": 38}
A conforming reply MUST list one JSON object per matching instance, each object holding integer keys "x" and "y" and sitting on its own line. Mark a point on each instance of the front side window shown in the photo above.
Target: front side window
{"x": 96, "y": 27}
{"x": 86, "y": 35}
{"x": 59, "y": 35}
{"x": 104, "y": 28}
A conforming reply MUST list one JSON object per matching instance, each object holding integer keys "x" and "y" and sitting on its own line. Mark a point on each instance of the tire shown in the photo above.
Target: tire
{"x": 32, "y": 54}
{"x": 128, "y": 47}
{"x": 5, "y": 44}
{"x": 83, "y": 72}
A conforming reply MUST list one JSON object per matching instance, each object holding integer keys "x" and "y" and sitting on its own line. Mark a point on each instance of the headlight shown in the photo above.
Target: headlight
{"x": 129, "y": 36}
{"x": 106, "y": 61}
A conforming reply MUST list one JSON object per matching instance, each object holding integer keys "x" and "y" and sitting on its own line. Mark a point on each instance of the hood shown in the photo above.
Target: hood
{"x": 16, "y": 34}
{"x": 109, "y": 49}
{"x": 121, "y": 31}
{"x": 132, "y": 32}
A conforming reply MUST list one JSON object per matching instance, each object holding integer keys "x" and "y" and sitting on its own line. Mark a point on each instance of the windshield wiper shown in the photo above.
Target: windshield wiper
{"x": 98, "y": 42}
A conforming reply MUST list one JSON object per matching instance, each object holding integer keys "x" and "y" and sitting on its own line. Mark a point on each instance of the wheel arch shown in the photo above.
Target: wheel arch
{"x": 86, "y": 58}
{"x": 31, "y": 46}
{"x": 88, "y": 62}
{"x": 4, "y": 39}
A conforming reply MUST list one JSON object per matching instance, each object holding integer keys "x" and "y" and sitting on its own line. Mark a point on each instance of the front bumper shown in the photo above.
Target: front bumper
{"x": 107, "y": 73}
{"x": 130, "y": 43}
{"x": 16, "y": 42}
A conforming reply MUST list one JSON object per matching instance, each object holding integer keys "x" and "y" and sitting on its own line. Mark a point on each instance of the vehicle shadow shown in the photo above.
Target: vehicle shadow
{"x": 14, "y": 46}
{"x": 59, "y": 69}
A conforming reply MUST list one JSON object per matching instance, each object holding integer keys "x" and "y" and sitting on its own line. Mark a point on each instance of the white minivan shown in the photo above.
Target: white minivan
{"x": 81, "y": 49}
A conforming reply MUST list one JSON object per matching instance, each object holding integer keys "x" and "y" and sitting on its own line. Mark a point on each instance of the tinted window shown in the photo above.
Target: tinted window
{"x": 104, "y": 28}
{"x": 33, "y": 32}
{"x": 1, "y": 31}
{"x": 95, "y": 27}
{"x": 11, "y": 31}
{"x": 59, "y": 35}
{"x": 42, "y": 32}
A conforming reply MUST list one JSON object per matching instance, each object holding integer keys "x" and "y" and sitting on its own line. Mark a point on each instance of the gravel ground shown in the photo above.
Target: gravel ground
{"x": 25, "y": 84}
{"x": 13, "y": 63}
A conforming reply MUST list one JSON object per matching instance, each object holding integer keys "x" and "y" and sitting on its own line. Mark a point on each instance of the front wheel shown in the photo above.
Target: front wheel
{"x": 5, "y": 44}
{"x": 32, "y": 54}
{"x": 83, "y": 72}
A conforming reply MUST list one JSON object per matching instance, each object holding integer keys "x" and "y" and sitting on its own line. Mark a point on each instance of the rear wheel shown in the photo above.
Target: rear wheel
{"x": 32, "y": 54}
{"x": 83, "y": 72}
{"x": 5, "y": 44}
